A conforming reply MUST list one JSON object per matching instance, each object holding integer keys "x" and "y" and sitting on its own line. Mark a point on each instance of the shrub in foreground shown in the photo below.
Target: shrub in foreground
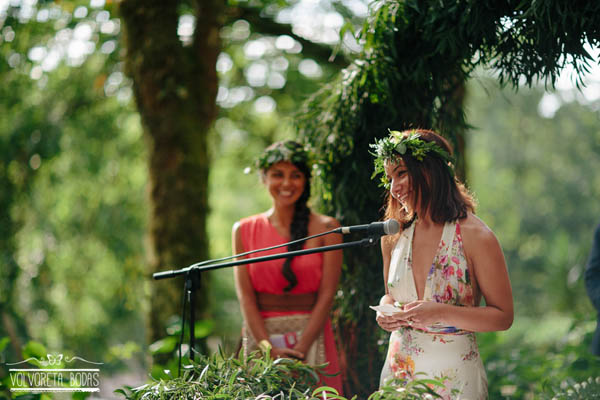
{"x": 259, "y": 377}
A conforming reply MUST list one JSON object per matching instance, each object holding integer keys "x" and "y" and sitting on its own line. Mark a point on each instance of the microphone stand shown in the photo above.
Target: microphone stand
{"x": 192, "y": 281}
{"x": 192, "y": 272}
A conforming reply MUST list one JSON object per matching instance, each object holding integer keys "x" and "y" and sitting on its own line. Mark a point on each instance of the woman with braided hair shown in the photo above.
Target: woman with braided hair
{"x": 286, "y": 302}
{"x": 436, "y": 270}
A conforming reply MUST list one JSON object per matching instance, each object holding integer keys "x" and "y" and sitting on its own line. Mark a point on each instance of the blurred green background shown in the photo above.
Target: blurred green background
{"x": 73, "y": 182}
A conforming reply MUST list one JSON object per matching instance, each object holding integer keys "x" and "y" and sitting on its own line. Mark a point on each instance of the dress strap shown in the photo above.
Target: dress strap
{"x": 449, "y": 233}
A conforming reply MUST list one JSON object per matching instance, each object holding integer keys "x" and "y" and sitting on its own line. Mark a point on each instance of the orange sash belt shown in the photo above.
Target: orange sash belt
{"x": 286, "y": 302}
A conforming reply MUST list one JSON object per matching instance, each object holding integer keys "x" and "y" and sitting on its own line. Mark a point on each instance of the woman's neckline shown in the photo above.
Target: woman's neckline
{"x": 266, "y": 215}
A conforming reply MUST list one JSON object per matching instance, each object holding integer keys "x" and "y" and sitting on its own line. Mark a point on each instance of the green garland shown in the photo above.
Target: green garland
{"x": 287, "y": 150}
{"x": 397, "y": 144}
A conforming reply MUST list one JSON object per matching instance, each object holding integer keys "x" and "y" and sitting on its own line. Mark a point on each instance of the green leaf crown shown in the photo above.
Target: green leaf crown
{"x": 398, "y": 144}
{"x": 287, "y": 150}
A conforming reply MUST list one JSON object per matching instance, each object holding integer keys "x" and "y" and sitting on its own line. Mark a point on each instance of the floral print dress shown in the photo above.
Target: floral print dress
{"x": 441, "y": 352}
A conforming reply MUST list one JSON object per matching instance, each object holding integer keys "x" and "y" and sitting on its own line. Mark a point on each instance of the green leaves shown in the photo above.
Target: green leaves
{"x": 230, "y": 377}
{"x": 34, "y": 349}
{"x": 397, "y": 144}
{"x": 416, "y": 389}
{"x": 287, "y": 150}
{"x": 259, "y": 377}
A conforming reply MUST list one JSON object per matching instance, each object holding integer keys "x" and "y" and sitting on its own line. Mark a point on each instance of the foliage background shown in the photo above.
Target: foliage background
{"x": 74, "y": 207}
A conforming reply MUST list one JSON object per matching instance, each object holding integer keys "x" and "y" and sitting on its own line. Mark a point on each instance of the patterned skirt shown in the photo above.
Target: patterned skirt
{"x": 451, "y": 359}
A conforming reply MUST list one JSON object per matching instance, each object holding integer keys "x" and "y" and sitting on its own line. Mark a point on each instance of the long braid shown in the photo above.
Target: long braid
{"x": 298, "y": 228}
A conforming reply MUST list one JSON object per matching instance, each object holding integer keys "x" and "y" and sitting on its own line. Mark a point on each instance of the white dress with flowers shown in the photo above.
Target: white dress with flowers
{"x": 442, "y": 352}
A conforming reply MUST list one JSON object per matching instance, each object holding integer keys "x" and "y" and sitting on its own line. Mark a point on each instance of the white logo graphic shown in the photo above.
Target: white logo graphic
{"x": 50, "y": 379}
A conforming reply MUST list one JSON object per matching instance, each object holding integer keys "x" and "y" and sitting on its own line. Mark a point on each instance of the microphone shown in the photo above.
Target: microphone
{"x": 388, "y": 227}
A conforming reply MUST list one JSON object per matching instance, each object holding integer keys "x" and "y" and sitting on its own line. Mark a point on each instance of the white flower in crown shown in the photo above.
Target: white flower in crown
{"x": 272, "y": 158}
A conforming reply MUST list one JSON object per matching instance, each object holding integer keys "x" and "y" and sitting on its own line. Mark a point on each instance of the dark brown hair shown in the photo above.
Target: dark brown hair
{"x": 435, "y": 187}
{"x": 299, "y": 225}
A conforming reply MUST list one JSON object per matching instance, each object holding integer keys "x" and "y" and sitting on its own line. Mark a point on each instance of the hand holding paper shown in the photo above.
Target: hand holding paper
{"x": 386, "y": 309}
{"x": 390, "y": 309}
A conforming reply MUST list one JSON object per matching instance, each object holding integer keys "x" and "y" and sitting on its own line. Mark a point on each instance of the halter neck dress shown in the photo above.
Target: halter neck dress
{"x": 441, "y": 352}
{"x": 257, "y": 232}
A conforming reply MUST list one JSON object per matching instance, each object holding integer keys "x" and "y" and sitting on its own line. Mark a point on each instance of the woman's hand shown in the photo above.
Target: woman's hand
{"x": 417, "y": 314}
{"x": 390, "y": 323}
{"x": 393, "y": 322}
{"x": 421, "y": 313}
{"x": 284, "y": 352}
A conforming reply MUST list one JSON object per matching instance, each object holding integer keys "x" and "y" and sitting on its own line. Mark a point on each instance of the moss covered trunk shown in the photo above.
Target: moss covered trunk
{"x": 175, "y": 88}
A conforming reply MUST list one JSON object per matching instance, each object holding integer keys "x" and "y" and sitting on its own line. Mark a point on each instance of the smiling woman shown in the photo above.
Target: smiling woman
{"x": 437, "y": 269}
{"x": 285, "y": 183}
{"x": 286, "y": 304}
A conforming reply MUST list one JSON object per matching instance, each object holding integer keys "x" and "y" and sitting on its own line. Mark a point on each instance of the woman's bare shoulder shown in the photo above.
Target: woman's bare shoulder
{"x": 323, "y": 223}
{"x": 473, "y": 229}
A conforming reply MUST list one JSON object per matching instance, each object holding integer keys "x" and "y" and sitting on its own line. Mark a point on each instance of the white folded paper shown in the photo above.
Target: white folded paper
{"x": 386, "y": 309}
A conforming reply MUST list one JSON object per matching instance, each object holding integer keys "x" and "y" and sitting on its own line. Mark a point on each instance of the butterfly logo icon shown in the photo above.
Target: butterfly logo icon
{"x": 54, "y": 359}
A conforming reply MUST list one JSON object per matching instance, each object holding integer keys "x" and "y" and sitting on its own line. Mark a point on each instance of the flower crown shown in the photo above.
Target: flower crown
{"x": 397, "y": 144}
{"x": 287, "y": 150}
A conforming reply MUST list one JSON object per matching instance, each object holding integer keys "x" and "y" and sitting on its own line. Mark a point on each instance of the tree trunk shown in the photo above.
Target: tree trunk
{"x": 175, "y": 88}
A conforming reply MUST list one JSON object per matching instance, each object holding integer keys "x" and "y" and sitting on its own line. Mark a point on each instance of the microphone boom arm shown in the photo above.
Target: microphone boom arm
{"x": 173, "y": 273}
{"x": 193, "y": 271}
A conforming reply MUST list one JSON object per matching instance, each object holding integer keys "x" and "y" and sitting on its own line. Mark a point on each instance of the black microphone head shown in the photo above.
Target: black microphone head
{"x": 391, "y": 227}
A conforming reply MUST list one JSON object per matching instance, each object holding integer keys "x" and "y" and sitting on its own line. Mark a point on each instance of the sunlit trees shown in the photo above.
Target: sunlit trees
{"x": 58, "y": 114}
{"x": 547, "y": 172}
{"x": 69, "y": 174}
{"x": 62, "y": 69}
{"x": 535, "y": 176}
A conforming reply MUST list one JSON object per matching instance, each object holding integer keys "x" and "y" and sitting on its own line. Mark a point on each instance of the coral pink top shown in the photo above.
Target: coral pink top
{"x": 257, "y": 232}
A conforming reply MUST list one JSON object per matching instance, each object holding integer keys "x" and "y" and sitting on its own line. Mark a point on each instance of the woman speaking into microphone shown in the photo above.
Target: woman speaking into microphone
{"x": 436, "y": 270}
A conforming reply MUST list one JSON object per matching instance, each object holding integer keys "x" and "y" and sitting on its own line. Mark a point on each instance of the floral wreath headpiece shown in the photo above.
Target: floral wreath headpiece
{"x": 287, "y": 150}
{"x": 397, "y": 144}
